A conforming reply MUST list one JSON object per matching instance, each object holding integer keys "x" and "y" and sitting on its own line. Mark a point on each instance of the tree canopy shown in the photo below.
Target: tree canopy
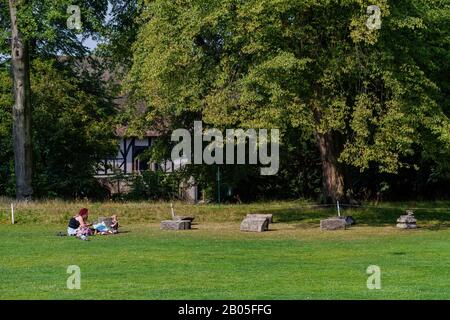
{"x": 362, "y": 103}
{"x": 371, "y": 97}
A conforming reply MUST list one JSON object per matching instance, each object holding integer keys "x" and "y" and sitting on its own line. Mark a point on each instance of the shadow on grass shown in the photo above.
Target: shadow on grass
{"x": 438, "y": 226}
{"x": 427, "y": 218}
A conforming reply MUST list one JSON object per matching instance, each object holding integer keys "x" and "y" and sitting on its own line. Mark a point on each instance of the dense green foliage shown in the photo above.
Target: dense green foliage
{"x": 153, "y": 185}
{"x": 72, "y": 131}
{"x": 310, "y": 68}
{"x": 6, "y": 156}
{"x": 44, "y": 25}
{"x": 381, "y": 95}
{"x": 72, "y": 107}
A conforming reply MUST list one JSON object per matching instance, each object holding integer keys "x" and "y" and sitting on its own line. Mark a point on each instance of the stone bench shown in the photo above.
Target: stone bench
{"x": 255, "y": 224}
{"x": 261, "y": 215}
{"x": 333, "y": 224}
{"x": 175, "y": 225}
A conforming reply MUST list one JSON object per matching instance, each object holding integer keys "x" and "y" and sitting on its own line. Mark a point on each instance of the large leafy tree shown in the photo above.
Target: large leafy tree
{"x": 35, "y": 28}
{"x": 370, "y": 97}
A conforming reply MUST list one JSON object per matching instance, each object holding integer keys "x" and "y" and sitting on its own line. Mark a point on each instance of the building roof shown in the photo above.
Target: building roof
{"x": 121, "y": 131}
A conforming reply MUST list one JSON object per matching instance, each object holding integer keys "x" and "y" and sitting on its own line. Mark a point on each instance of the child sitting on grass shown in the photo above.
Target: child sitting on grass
{"x": 103, "y": 228}
{"x": 114, "y": 223}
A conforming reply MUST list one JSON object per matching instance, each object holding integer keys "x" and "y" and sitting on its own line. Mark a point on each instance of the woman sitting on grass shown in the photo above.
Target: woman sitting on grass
{"x": 78, "y": 224}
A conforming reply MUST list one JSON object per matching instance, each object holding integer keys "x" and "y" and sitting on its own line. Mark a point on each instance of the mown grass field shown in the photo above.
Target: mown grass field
{"x": 295, "y": 260}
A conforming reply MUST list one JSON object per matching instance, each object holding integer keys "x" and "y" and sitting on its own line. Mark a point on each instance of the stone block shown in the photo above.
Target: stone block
{"x": 407, "y": 219}
{"x": 175, "y": 225}
{"x": 406, "y": 225}
{"x": 333, "y": 224}
{"x": 348, "y": 220}
{"x": 255, "y": 224}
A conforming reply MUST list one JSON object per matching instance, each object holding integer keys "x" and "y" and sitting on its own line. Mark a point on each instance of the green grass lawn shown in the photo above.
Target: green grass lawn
{"x": 295, "y": 260}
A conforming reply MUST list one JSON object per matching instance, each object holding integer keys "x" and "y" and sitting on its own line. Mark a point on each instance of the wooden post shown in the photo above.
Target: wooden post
{"x": 171, "y": 211}
{"x": 218, "y": 184}
{"x": 338, "y": 208}
{"x": 12, "y": 213}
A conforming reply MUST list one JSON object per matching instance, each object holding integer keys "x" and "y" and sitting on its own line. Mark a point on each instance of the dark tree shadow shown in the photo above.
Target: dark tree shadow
{"x": 427, "y": 218}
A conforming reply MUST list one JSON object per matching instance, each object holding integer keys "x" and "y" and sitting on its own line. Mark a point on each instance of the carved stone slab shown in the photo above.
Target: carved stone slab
{"x": 255, "y": 224}
{"x": 333, "y": 224}
{"x": 349, "y": 221}
{"x": 175, "y": 225}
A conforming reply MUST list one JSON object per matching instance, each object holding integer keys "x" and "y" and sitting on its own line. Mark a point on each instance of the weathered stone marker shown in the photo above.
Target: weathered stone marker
{"x": 407, "y": 221}
{"x": 177, "y": 222}
{"x": 333, "y": 224}
{"x": 261, "y": 215}
{"x": 175, "y": 225}
{"x": 255, "y": 224}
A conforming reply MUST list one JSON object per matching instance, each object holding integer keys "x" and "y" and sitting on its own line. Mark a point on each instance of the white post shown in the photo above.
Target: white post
{"x": 338, "y": 208}
{"x": 12, "y": 213}
{"x": 171, "y": 211}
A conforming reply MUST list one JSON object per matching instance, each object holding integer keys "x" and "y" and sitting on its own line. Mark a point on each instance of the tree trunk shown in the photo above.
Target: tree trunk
{"x": 23, "y": 163}
{"x": 333, "y": 175}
